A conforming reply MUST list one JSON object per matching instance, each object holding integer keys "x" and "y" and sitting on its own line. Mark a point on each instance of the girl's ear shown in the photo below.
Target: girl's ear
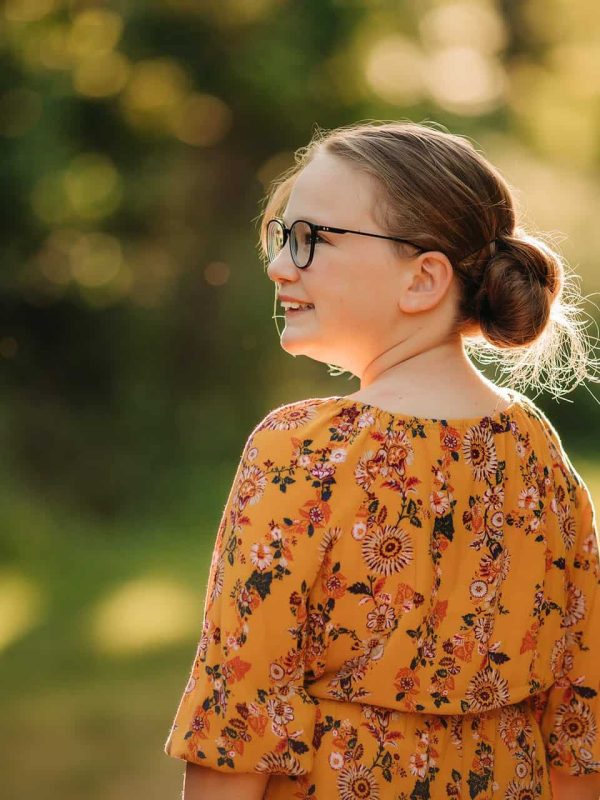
{"x": 427, "y": 281}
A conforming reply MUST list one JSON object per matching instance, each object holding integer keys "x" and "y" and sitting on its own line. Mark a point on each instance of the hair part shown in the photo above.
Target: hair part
{"x": 439, "y": 191}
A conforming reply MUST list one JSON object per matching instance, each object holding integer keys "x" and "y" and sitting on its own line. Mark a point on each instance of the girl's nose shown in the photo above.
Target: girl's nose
{"x": 282, "y": 268}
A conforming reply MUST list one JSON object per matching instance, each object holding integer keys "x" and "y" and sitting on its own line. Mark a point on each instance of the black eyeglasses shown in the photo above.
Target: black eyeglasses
{"x": 303, "y": 237}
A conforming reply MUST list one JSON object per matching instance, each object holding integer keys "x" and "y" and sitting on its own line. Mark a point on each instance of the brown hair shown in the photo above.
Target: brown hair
{"x": 440, "y": 192}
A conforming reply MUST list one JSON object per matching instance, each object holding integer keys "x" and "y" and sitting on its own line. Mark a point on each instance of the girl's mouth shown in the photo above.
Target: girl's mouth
{"x": 293, "y": 311}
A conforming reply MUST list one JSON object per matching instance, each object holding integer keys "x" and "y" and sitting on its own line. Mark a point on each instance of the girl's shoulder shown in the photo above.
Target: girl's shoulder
{"x": 338, "y": 420}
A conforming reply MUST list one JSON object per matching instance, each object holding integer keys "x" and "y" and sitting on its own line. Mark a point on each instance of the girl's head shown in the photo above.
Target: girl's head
{"x": 453, "y": 282}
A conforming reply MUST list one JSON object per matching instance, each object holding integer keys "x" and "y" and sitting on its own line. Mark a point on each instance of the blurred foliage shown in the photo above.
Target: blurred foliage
{"x": 137, "y": 348}
{"x": 138, "y": 141}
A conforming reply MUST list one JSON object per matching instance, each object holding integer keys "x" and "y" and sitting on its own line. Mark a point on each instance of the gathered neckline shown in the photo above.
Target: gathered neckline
{"x": 517, "y": 404}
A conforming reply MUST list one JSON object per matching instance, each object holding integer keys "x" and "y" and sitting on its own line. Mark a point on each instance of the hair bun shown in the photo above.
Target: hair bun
{"x": 518, "y": 283}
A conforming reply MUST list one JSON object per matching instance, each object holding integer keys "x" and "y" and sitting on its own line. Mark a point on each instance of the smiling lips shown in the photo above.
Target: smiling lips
{"x": 295, "y": 306}
{"x": 293, "y": 311}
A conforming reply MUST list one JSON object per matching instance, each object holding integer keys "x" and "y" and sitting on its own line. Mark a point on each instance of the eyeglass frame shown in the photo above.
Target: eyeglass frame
{"x": 314, "y": 229}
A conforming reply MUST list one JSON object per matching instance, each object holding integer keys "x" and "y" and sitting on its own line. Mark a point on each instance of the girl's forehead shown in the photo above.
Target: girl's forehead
{"x": 328, "y": 186}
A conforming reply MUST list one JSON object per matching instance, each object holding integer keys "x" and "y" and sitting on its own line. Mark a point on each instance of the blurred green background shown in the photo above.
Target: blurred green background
{"x": 137, "y": 348}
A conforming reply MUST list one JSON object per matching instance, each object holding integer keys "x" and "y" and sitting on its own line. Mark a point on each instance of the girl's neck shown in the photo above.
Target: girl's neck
{"x": 439, "y": 382}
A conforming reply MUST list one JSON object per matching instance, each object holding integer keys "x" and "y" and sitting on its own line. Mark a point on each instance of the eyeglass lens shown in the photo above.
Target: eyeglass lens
{"x": 300, "y": 238}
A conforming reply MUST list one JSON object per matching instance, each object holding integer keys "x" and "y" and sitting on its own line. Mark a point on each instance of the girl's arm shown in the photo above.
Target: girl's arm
{"x": 574, "y": 787}
{"x": 203, "y": 783}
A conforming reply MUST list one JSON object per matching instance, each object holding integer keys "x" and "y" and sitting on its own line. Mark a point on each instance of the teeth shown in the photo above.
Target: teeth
{"x": 287, "y": 305}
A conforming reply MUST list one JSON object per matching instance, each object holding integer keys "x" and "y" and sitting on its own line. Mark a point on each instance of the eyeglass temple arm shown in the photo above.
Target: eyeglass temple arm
{"x": 362, "y": 233}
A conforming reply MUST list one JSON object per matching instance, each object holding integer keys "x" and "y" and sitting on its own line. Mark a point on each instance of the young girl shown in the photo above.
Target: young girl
{"x": 403, "y": 596}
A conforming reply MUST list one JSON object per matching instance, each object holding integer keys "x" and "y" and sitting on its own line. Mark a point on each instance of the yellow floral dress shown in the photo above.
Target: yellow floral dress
{"x": 399, "y": 607}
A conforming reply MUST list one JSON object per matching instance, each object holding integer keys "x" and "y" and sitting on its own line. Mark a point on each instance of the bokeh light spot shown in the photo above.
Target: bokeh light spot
{"x": 95, "y": 259}
{"x": 144, "y": 614}
{"x": 92, "y": 185}
{"x": 101, "y": 75}
{"x": 465, "y": 81}
{"x": 156, "y": 90}
{"x": 94, "y": 31}
{"x": 217, "y": 273}
{"x": 201, "y": 120}
{"x": 394, "y": 70}
{"x": 28, "y": 10}
{"x": 20, "y": 606}
{"x": 471, "y": 24}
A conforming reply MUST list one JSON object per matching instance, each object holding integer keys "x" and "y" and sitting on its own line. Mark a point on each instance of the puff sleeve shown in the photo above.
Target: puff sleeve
{"x": 570, "y": 723}
{"x": 245, "y": 707}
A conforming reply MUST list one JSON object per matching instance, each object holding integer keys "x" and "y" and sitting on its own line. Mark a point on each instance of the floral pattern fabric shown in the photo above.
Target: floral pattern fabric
{"x": 399, "y": 607}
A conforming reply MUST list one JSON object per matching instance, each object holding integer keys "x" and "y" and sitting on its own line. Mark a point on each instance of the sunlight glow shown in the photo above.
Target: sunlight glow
{"x": 96, "y": 259}
{"x": 201, "y": 120}
{"x": 27, "y": 10}
{"x": 156, "y": 90}
{"x": 101, "y": 75}
{"x": 144, "y": 614}
{"x": 93, "y": 32}
{"x": 20, "y": 606}
{"x": 465, "y": 81}
{"x": 470, "y": 24}
{"x": 394, "y": 70}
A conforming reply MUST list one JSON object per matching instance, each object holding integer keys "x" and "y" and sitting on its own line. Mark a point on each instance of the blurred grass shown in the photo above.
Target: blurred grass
{"x": 76, "y": 720}
{"x": 79, "y": 721}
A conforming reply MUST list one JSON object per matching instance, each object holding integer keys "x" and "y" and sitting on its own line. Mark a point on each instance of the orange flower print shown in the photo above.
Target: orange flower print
{"x": 367, "y": 469}
{"x": 529, "y": 498}
{"x": 462, "y": 647}
{"x": 357, "y": 782}
{"x": 257, "y": 720}
{"x": 418, "y": 764}
{"x": 334, "y": 584}
{"x": 381, "y": 618}
{"x": 561, "y": 662}
{"x": 235, "y": 669}
{"x": 399, "y": 451}
{"x": 478, "y": 590}
{"x": 486, "y": 690}
{"x": 575, "y": 724}
{"x": 373, "y": 647}
{"x": 439, "y": 502}
{"x": 201, "y": 723}
{"x": 279, "y": 712}
{"x": 442, "y": 685}
{"x": 493, "y": 497}
{"x": 316, "y": 513}
{"x": 449, "y": 438}
{"x": 483, "y": 627}
{"x": 404, "y": 596}
{"x": 490, "y": 568}
{"x": 529, "y": 639}
{"x": 511, "y": 723}
{"x": 438, "y": 613}
{"x": 406, "y": 681}
{"x": 279, "y": 763}
{"x": 260, "y": 556}
{"x": 575, "y": 610}
{"x": 251, "y": 485}
{"x": 479, "y": 452}
{"x": 387, "y": 550}
{"x": 458, "y": 564}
